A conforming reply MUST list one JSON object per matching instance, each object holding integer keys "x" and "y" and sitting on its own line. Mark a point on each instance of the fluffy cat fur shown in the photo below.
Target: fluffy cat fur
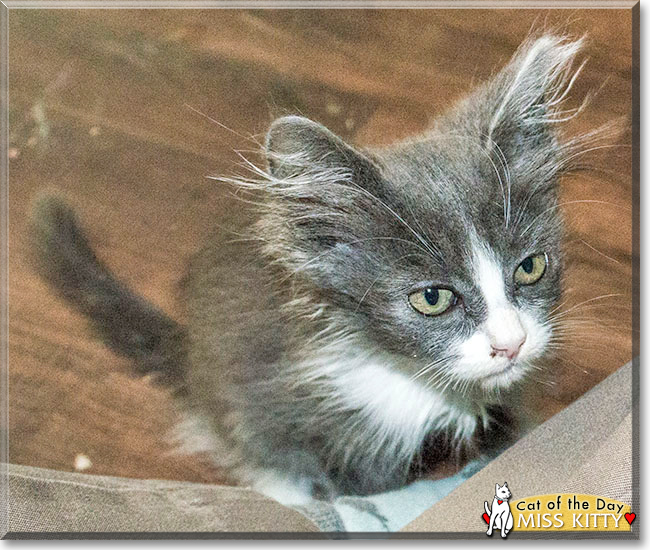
{"x": 303, "y": 368}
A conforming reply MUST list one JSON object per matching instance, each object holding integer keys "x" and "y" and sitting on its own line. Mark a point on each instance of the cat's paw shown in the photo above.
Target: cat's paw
{"x": 286, "y": 489}
{"x": 292, "y": 490}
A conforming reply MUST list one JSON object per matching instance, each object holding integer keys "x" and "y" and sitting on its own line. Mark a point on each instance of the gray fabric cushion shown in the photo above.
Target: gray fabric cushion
{"x": 45, "y": 500}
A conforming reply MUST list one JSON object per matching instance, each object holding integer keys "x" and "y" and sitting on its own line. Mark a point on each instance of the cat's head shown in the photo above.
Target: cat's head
{"x": 445, "y": 249}
{"x": 502, "y": 492}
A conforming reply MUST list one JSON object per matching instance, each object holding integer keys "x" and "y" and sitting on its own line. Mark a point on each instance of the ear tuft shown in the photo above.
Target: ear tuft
{"x": 533, "y": 86}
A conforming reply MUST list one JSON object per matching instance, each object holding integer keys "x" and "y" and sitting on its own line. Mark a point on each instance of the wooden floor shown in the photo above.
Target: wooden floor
{"x": 104, "y": 108}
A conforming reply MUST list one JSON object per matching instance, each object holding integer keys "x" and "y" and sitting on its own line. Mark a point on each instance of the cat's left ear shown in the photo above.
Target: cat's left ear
{"x": 527, "y": 97}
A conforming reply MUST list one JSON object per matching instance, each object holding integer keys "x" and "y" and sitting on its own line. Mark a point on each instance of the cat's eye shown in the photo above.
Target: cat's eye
{"x": 531, "y": 269}
{"x": 432, "y": 301}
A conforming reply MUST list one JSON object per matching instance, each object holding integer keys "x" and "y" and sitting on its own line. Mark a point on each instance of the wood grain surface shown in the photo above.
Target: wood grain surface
{"x": 105, "y": 108}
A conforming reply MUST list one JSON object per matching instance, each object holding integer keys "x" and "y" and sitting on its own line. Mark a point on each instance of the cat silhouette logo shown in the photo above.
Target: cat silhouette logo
{"x": 499, "y": 517}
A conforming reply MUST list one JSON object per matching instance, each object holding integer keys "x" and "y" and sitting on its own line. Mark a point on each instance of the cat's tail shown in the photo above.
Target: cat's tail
{"x": 126, "y": 322}
{"x": 487, "y": 510}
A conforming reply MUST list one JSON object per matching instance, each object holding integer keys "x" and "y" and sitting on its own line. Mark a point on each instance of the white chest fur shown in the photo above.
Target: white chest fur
{"x": 391, "y": 411}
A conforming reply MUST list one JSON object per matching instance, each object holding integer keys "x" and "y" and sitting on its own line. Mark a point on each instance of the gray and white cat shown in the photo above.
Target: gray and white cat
{"x": 380, "y": 301}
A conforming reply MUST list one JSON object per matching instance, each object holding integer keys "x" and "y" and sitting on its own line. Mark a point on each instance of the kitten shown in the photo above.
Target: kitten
{"x": 380, "y": 302}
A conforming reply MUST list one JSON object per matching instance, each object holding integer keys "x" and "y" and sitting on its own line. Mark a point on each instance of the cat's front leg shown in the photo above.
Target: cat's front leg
{"x": 292, "y": 477}
{"x": 493, "y": 517}
{"x": 507, "y": 524}
{"x": 286, "y": 488}
{"x": 499, "y": 432}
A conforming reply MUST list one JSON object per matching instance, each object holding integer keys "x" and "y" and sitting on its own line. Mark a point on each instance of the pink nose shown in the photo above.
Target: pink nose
{"x": 509, "y": 350}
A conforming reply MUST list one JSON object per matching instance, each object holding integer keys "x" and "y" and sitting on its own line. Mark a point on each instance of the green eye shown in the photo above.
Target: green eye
{"x": 432, "y": 301}
{"x": 531, "y": 269}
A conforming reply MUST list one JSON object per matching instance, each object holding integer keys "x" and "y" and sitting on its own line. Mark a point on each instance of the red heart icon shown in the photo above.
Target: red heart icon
{"x": 630, "y": 518}
{"x": 500, "y": 501}
{"x": 486, "y": 518}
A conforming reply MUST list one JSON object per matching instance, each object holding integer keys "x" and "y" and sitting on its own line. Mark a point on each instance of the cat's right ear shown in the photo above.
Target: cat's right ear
{"x": 496, "y": 490}
{"x": 322, "y": 195}
{"x": 320, "y": 186}
{"x": 296, "y": 146}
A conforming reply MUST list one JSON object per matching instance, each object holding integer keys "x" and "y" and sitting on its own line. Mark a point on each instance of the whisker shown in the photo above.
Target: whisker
{"x": 506, "y": 170}
{"x": 599, "y": 252}
{"x": 567, "y": 203}
{"x": 223, "y": 125}
{"x": 430, "y": 247}
{"x": 322, "y": 254}
{"x": 377, "y": 279}
{"x": 563, "y": 313}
